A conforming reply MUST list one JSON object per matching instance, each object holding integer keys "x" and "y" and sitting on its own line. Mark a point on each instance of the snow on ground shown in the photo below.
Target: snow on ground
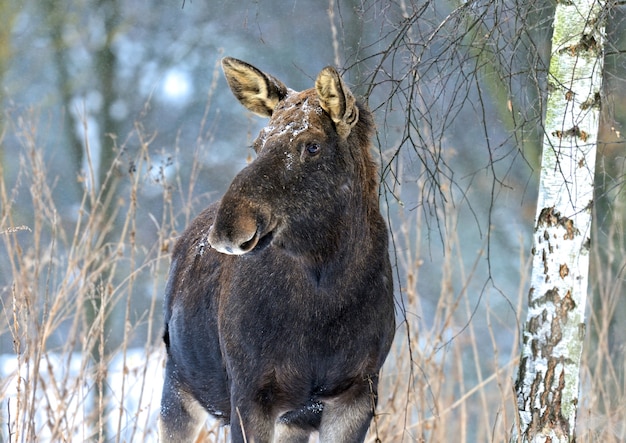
{"x": 63, "y": 397}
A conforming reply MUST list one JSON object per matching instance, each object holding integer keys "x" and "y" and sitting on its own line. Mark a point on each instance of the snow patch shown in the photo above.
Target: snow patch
{"x": 293, "y": 128}
{"x": 64, "y": 396}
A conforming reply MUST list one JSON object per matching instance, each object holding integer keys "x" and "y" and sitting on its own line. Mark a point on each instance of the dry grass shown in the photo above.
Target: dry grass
{"x": 67, "y": 285}
{"x": 87, "y": 364}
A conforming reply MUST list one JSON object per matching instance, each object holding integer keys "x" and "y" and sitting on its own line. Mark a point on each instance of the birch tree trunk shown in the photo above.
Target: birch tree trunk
{"x": 548, "y": 379}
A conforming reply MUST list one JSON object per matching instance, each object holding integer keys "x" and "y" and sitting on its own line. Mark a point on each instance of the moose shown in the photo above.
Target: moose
{"x": 279, "y": 307}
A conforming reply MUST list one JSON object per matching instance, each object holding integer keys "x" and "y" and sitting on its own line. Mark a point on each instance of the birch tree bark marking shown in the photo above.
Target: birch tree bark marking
{"x": 548, "y": 378}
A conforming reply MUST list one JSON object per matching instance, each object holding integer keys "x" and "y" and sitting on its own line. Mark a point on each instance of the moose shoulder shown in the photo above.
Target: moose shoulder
{"x": 279, "y": 307}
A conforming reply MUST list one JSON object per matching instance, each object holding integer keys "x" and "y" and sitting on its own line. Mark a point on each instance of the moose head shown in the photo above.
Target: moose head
{"x": 310, "y": 159}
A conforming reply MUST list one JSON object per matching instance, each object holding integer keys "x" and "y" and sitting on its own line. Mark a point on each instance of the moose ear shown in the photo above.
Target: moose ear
{"x": 337, "y": 100}
{"x": 257, "y": 91}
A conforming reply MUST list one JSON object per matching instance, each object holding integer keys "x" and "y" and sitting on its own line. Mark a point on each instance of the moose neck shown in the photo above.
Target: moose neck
{"x": 347, "y": 242}
{"x": 353, "y": 234}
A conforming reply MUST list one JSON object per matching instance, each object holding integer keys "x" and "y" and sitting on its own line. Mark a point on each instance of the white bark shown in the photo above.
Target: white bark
{"x": 548, "y": 378}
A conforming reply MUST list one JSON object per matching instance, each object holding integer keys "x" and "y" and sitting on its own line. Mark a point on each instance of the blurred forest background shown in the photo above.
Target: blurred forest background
{"x": 117, "y": 127}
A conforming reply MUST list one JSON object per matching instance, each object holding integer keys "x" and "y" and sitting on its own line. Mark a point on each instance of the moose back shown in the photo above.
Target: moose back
{"x": 279, "y": 307}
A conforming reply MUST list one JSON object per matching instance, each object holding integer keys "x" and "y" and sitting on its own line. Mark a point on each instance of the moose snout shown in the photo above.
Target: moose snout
{"x": 239, "y": 225}
{"x": 235, "y": 240}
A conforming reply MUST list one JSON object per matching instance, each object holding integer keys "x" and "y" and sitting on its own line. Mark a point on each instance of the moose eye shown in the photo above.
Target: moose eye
{"x": 312, "y": 149}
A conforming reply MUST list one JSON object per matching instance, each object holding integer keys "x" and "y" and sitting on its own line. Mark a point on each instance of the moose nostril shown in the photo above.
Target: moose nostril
{"x": 248, "y": 245}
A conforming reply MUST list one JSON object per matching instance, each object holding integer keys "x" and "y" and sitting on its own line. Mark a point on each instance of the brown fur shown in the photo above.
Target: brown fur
{"x": 279, "y": 307}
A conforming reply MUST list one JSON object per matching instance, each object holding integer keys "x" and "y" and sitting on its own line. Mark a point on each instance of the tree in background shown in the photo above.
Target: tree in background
{"x": 84, "y": 63}
{"x": 7, "y": 19}
{"x": 548, "y": 379}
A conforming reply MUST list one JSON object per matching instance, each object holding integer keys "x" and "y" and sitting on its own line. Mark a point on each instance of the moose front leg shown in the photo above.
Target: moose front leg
{"x": 250, "y": 423}
{"x": 182, "y": 417}
{"x": 346, "y": 418}
{"x": 286, "y": 433}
